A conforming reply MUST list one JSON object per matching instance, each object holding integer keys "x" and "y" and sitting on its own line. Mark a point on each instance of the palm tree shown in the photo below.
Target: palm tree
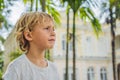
{"x": 113, "y": 4}
{"x": 112, "y": 23}
{"x": 111, "y": 19}
{"x": 85, "y": 12}
{"x": 67, "y": 43}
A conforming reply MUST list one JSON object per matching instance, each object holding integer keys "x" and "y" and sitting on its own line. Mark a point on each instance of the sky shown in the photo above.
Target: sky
{"x": 16, "y": 11}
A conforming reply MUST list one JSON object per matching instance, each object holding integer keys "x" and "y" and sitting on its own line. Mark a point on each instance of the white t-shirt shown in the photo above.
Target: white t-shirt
{"x": 23, "y": 69}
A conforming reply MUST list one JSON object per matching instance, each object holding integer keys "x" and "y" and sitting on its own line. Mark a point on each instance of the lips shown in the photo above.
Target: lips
{"x": 51, "y": 40}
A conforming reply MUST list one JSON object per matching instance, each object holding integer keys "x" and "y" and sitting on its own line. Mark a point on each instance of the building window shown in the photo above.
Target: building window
{"x": 90, "y": 73}
{"x": 63, "y": 44}
{"x": 70, "y": 46}
{"x": 88, "y": 42}
{"x": 103, "y": 74}
{"x": 117, "y": 42}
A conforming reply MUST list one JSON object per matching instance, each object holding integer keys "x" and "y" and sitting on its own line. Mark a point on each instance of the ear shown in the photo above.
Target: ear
{"x": 27, "y": 35}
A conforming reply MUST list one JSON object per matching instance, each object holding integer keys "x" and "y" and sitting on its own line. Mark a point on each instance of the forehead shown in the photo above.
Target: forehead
{"x": 43, "y": 19}
{"x": 46, "y": 22}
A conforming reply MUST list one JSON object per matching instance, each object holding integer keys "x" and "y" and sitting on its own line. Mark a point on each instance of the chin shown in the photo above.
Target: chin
{"x": 50, "y": 47}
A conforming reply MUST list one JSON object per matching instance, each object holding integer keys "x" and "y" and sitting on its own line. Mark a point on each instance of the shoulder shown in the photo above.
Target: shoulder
{"x": 18, "y": 61}
{"x": 13, "y": 69}
{"x": 16, "y": 65}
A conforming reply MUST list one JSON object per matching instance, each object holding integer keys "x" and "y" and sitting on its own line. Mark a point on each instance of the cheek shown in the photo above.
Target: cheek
{"x": 42, "y": 38}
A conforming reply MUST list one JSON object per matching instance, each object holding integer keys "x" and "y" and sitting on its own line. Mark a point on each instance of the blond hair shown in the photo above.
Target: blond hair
{"x": 27, "y": 22}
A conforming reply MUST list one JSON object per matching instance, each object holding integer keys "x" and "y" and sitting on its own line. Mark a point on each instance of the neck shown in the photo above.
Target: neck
{"x": 37, "y": 57}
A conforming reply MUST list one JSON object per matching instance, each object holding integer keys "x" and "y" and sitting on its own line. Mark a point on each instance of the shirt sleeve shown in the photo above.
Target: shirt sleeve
{"x": 10, "y": 74}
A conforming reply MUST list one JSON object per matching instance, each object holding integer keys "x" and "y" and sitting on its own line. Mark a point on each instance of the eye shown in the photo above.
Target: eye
{"x": 47, "y": 28}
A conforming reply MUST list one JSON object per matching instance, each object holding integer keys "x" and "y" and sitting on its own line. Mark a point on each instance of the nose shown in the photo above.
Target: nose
{"x": 53, "y": 33}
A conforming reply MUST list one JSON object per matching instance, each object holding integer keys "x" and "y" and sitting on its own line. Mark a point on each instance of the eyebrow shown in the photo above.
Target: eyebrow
{"x": 51, "y": 26}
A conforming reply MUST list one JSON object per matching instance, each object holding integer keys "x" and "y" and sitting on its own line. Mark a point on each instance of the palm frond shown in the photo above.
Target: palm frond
{"x": 86, "y": 13}
{"x": 51, "y": 10}
{"x": 25, "y": 1}
{"x": 2, "y": 5}
{"x": 93, "y": 3}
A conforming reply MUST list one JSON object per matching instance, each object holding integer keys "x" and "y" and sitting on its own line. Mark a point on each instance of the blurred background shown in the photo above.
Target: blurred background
{"x": 88, "y": 36}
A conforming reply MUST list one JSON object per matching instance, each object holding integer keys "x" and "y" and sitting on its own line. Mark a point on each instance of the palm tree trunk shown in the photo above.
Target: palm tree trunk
{"x": 43, "y": 5}
{"x": 36, "y": 5}
{"x": 0, "y": 7}
{"x": 112, "y": 22}
{"x": 118, "y": 71}
{"x": 31, "y": 5}
{"x": 74, "y": 53}
{"x": 67, "y": 44}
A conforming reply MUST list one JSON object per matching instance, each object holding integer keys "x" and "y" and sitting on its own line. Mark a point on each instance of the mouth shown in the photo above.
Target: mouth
{"x": 51, "y": 40}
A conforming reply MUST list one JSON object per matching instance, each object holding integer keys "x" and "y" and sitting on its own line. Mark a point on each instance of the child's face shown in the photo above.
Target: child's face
{"x": 43, "y": 35}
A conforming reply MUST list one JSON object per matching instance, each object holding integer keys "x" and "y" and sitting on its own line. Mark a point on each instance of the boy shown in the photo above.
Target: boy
{"x": 34, "y": 33}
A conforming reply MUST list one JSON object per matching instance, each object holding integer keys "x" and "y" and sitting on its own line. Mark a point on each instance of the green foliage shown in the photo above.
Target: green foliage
{"x": 85, "y": 13}
{"x": 15, "y": 54}
{"x": 74, "y": 4}
{"x": 25, "y": 1}
{"x": 2, "y": 39}
{"x": 1, "y": 60}
{"x": 49, "y": 8}
{"x": 1, "y": 65}
{"x": 1, "y": 73}
{"x": 1, "y": 18}
{"x": 117, "y": 12}
{"x": 5, "y": 12}
{"x": 114, "y": 5}
{"x": 48, "y": 55}
{"x": 1, "y": 10}
{"x": 2, "y": 5}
